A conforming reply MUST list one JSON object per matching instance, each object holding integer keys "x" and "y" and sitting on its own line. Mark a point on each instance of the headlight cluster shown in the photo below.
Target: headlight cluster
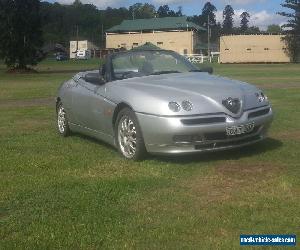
{"x": 176, "y": 107}
{"x": 261, "y": 97}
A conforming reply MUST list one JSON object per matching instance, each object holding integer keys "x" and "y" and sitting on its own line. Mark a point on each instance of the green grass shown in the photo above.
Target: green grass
{"x": 78, "y": 193}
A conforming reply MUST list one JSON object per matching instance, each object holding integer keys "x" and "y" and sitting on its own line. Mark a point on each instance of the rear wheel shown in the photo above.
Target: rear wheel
{"x": 62, "y": 121}
{"x": 129, "y": 137}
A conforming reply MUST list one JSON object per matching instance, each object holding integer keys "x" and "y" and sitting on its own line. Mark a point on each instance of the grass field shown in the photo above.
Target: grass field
{"x": 78, "y": 193}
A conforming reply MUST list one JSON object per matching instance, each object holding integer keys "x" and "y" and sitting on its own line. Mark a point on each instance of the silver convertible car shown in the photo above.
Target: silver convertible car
{"x": 156, "y": 101}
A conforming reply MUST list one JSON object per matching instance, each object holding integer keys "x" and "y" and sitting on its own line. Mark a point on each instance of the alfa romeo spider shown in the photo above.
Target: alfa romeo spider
{"x": 156, "y": 101}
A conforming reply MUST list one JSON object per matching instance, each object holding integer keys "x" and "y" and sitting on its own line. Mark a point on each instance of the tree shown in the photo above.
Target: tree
{"x": 253, "y": 30}
{"x": 165, "y": 11}
{"x": 292, "y": 32}
{"x": 20, "y": 33}
{"x": 208, "y": 12}
{"x": 140, "y": 10}
{"x": 179, "y": 12}
{"x": 228, "y": 14}
{"x": 245, "y": 16}
{"x": 274, "y": 28}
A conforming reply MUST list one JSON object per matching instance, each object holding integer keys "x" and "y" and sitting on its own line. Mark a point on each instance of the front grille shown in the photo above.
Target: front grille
{"x": 259, "y": 113}
{"x": 223, "y": 136}
{"x": 199, "y": 121}
{"x": 227, "y": 143}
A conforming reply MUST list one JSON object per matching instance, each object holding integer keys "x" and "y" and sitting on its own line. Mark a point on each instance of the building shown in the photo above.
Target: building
{"x": 253, "y": 49}
{"x": 81, "y": 45}
{"x": 171, "y": 33}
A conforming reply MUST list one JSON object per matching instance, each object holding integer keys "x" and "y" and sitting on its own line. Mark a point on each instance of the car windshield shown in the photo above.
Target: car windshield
{"x": 145, "y": 63}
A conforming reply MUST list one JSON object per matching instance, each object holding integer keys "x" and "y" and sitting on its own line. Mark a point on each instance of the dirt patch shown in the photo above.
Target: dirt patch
{"x": 294, "y": 135}
{"x": 49, "y": 101}
{"x": 21, "y": 71}
{"x": 229, "y": 177}
{"x": 247, "y": 171}
{"x": 34, "y": 125}
{"x": 209, "y": 189}
{"x": 26, "y": 126}
{"x": 197, "y": 193}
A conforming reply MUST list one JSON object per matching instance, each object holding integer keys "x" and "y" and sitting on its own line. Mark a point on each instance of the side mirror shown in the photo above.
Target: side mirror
{"x": 209, "y": 70}
{"x": 94, "y": 78}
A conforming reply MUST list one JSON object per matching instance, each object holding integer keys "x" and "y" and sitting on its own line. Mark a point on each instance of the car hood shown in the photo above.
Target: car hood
{"x": 206, "y": 92}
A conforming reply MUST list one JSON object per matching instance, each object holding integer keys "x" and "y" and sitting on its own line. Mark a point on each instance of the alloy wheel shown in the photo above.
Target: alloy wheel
{"x": 127, "y": 137}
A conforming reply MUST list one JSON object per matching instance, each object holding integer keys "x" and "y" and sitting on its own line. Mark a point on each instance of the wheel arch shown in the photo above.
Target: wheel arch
{"x": 57, "y": 101}
{"x": 118, "y": 108}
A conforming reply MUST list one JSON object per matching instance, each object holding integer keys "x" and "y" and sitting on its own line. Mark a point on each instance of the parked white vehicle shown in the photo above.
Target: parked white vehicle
{"x": 83, "y": 54}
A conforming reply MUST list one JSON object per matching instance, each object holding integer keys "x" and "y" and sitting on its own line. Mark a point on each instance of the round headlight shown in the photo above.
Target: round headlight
{"x": 174, "y": 106}
{"x": 187, "y": 105}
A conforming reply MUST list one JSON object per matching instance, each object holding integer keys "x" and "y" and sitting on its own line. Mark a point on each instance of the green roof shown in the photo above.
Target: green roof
{"x": 165, "y": 23}
{"x": 147, "y": 46}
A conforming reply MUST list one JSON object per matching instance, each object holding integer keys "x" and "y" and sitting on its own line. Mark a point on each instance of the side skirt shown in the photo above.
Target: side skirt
{"x": 93, "y": 133}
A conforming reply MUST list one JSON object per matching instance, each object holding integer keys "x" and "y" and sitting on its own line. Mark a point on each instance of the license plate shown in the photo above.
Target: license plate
{"x": 239, "y": 130}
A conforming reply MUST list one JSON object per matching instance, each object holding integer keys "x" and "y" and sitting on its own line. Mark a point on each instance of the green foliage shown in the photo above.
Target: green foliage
{"x": 140, "y": 10}
{"x": 165, "y": 11}
{"x": 274, "y": 28}
{"x": 228, "y": 14}
{"x": 20, "y": 33}
{"x": 292, "y": 32}
{"x": 209, "y": 10}
{"x": 253, "y": 30}
{"x": 60, "y": 22}
{"x": 245, "y": 16}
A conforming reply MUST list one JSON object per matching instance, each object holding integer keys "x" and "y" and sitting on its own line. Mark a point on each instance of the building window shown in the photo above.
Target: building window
{"x": 266, "y": 48}
{"x": 160, "y": 43}
{"x": 123, "y": 45}
{"x": 248, "y": 49}
{"x": 135, "y": 44}
{"x": 185, "y": 51}
{"x": 227, "y": 49}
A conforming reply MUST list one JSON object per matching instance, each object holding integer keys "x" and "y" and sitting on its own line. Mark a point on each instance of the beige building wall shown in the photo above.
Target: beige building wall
{"x": 82, "y": 45}
{"x": 253, "y": 49}
{"x": 179, "y": 41}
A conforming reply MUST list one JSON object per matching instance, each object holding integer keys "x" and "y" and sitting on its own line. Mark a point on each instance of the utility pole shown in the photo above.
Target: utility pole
{"x": 102, "y": 35}
{"x": 208, "y": 37}
{"x": 77, "y": 32}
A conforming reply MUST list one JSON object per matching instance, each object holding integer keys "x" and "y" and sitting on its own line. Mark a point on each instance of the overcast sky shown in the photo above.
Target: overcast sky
{"x": 263, "y": 12}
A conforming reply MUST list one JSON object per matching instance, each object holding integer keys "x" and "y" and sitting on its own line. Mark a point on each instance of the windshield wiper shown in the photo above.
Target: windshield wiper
{"x": 165, "y": 72}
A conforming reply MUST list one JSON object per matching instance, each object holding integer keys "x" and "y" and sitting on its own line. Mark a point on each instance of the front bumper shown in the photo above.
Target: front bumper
{"x": 193, "y": 134}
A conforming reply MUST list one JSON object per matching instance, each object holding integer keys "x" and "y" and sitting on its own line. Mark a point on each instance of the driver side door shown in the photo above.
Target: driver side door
{"x": 88, "y": 104}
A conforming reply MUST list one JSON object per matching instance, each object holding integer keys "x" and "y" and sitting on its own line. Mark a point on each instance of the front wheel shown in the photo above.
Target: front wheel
{"x": 129, "y": 137}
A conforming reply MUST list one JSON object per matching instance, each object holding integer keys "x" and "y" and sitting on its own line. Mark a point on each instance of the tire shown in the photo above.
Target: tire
{"x": 62, "y": 121}
{"x": 129, "y": 138}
